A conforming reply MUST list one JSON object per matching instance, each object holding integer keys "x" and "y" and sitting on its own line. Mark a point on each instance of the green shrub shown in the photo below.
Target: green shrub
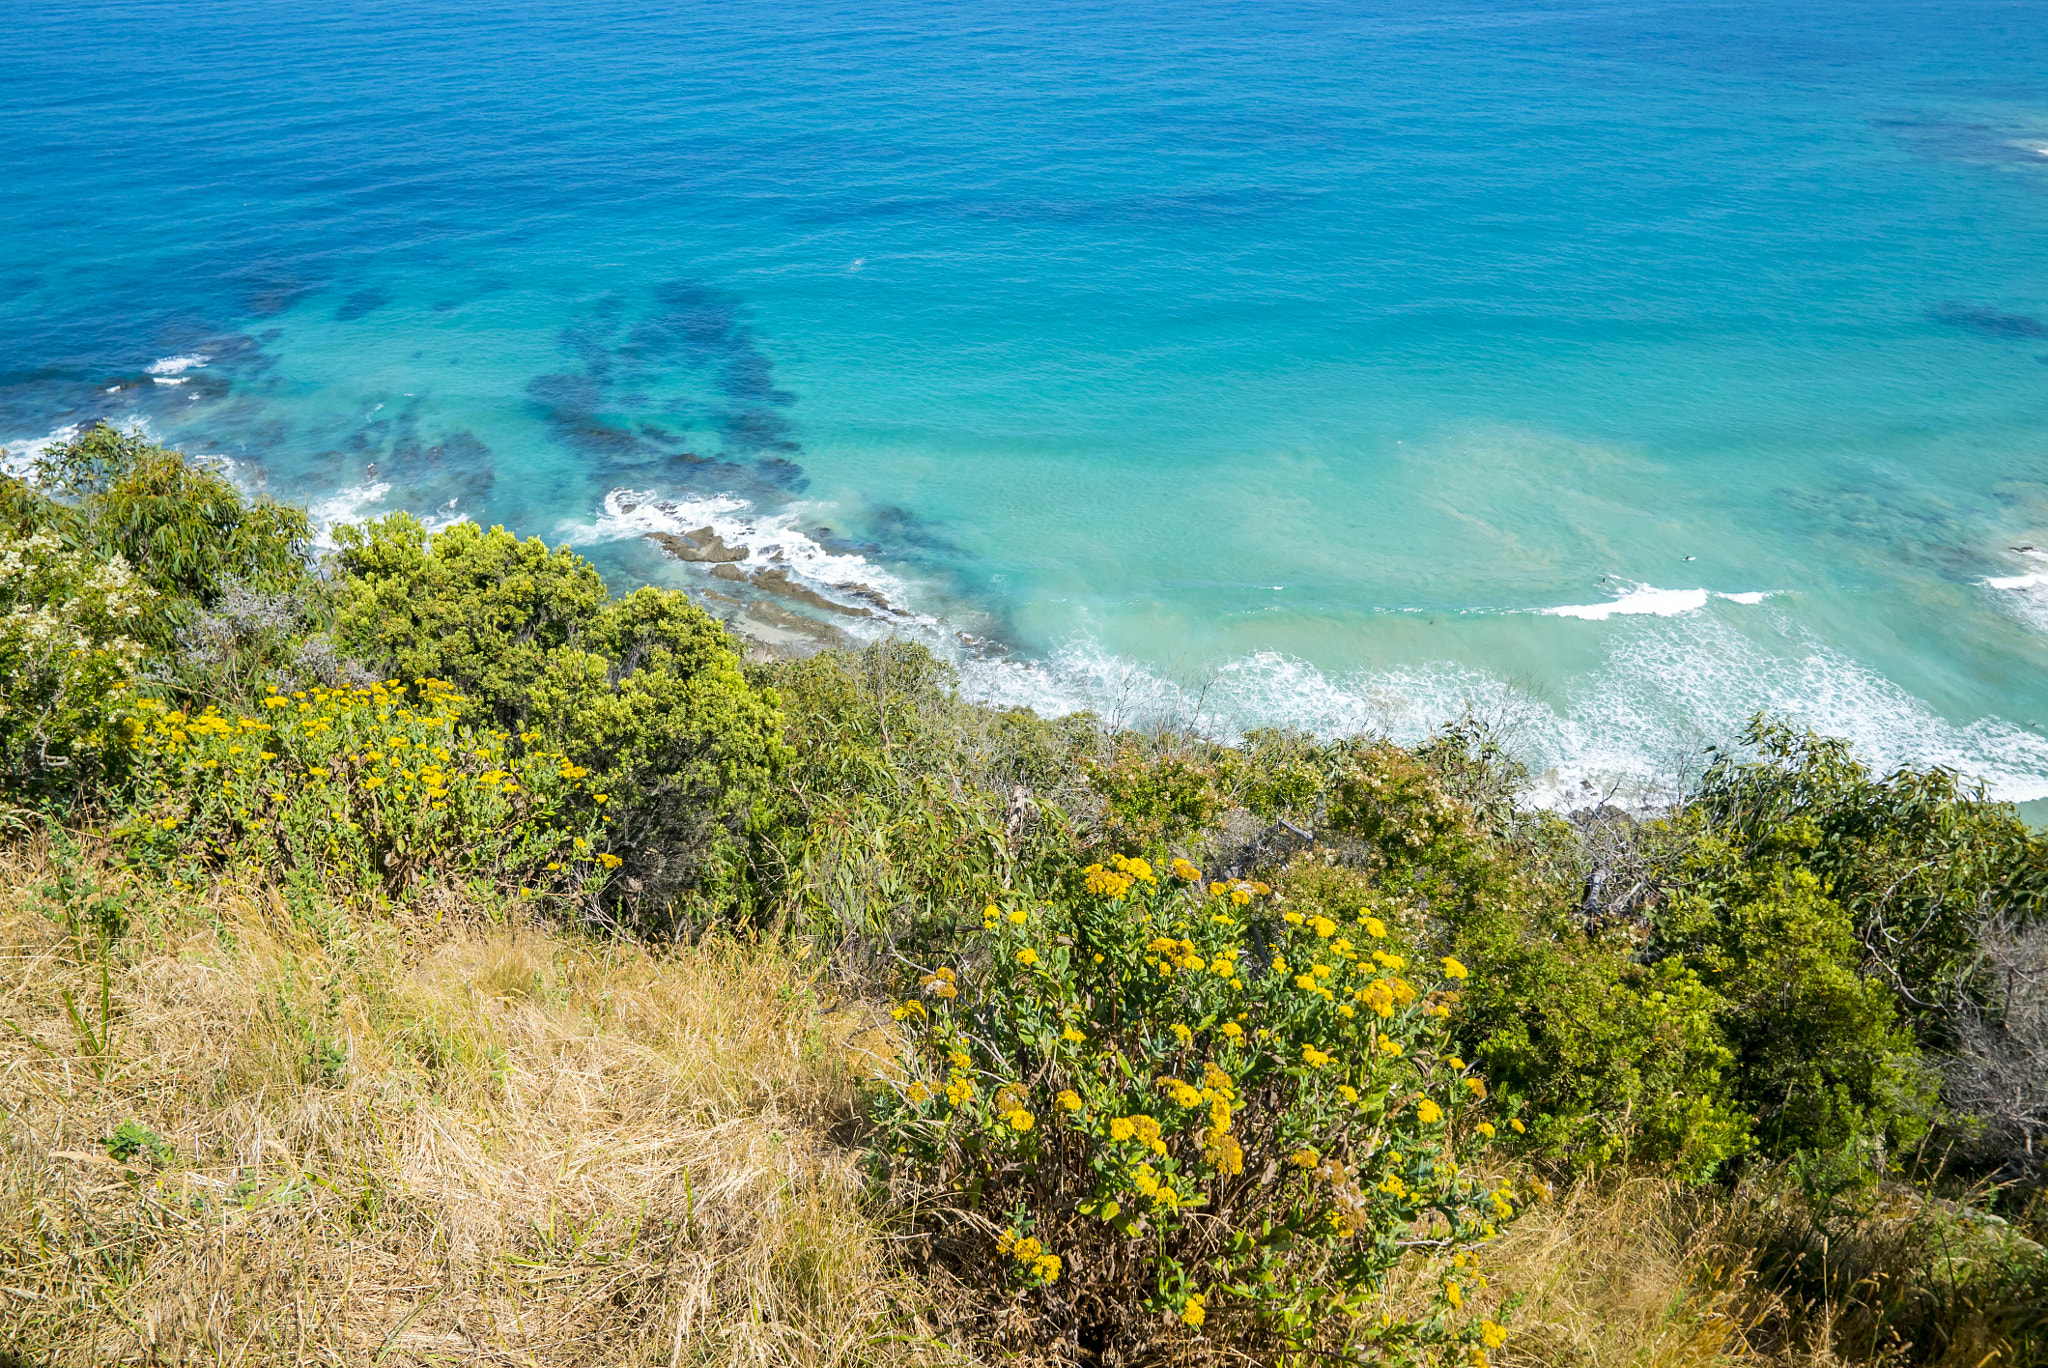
{"x": 1281, "y": 775}
{"x": 382, "y": 788}
{"x": 476, "y": 606}
{"x": 646, "y": 692}
{"x": 1820, "y": 1056}
{"x": 184, "y": 530}
{"x": 1610, "y": 1060}
{"x": 1400, "y": 809}
{"x": 1918, "y": 860}
{"x": 1154, "y": 798}
{"x": 1176, "y": 1119}
{"x": 690, "y": 751}
{"x": 68, "y": 661}
{"x": 909, "y": 803}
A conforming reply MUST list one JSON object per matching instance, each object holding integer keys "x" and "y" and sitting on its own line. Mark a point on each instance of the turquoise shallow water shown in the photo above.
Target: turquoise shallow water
{"x": 1275, "y": 363}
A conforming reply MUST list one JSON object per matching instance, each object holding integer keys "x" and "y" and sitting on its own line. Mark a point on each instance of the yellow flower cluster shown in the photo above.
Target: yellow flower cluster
{"x": 940, "y": 983}
{"x": 1030, "y": 1253}
{"x": 1118, "y": 878}
{"x": 1240, "y": 892}
{"x": 1160, "y": 1194}
{"x": 1141, "y": 1128}
{"x": 1345, "y": 1050}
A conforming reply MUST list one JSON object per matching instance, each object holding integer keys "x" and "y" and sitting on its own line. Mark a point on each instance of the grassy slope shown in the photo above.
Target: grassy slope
{"x": 466, "y": 1141}
{"x": 460, "y": 1142}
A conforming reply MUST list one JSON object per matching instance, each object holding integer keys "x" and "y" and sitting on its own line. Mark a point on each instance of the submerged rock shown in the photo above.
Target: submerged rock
{"x": 701, "y": 545}
{"x": 779, "y": 582}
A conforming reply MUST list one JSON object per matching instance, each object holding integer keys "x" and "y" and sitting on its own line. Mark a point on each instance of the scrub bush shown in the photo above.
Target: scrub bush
{"x": 646, "y": 692}
{"x": 1175, "y": 1116}
{"x": 1155, "y": 798}
{"x": 1609, "y": 1058}
{"x": 476, "y": 606}
{"x": 1918, "y": 860}
{"x": 379, "y": 788}
{"x": 68, "y": 661}
{"x": 184, "y": 530}
{"x": 910, "y": 804}
{"x": 1820, "y": 1057}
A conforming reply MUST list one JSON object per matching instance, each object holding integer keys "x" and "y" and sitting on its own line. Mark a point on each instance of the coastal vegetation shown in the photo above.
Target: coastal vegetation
{"x": 417, "y": 953}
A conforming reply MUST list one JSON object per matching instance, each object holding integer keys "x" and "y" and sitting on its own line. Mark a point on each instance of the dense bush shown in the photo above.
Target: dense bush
{"x": 912, "y": 807}
{"x": 1175, "y": 1116}
{"x": 374, "y": 788}
{"x": 118, "y": 545}
{"x": 479, "y": 607}
{"x": 1820, "y": 1056}
{"x": 645, "y": 692}
{"x": 68, "y": 661}
{"x": 184, "y": 529}
{"x": 1917, "y": 860}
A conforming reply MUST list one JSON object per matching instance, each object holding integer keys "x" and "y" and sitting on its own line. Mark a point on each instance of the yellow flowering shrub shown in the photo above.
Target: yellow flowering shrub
{"x": 1214, "y": 1115}
{"x": 68, "y": 657}
{"x": 370, "y": 787}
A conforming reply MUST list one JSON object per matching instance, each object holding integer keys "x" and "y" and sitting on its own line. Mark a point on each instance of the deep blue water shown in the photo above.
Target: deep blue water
{"x": 1278, "y": 362}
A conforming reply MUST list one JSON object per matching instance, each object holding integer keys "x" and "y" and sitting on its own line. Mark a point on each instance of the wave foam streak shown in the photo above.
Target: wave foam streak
{"x": 1634, "y": 731}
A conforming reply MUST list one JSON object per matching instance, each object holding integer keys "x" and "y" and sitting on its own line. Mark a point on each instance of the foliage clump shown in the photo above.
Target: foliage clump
{"x": 376, "y": 787}
{"x": 68, "y": 662}
{"x": 645, "y": 691}
{"x": 1176, "y": 1115}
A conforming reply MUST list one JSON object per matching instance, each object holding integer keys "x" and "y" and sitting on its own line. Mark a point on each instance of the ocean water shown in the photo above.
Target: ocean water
{"x": 1610, "y": 369}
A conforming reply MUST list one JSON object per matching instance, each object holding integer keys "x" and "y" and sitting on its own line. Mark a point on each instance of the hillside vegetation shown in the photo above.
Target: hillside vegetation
{"x": 420, "y": 954}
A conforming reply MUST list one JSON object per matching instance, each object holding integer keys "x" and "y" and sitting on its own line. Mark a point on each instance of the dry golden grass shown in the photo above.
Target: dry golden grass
{"x": 1644, "y": 1272}
{"x": 407, "y": 1144}
{"x": 1632, "y": 1273}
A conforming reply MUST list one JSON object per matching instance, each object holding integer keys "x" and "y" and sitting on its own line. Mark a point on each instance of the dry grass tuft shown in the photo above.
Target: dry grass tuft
{"x": 1629, "y": 1274}
{"x": 1636, "y": 1272}
{"x": 390, "y": 1144}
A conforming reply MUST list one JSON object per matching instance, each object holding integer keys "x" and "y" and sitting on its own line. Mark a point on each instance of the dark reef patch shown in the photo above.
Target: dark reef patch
{"x": 267, "y": 292}
{"x": 362, "y": 302}
{"x": 565, "y": 394}
{"x": 900, "y": 531}
{"x": 1989, "y": 322}
{"x": 628, "y": 361}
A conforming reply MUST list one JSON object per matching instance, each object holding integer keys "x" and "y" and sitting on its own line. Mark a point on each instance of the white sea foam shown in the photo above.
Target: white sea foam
{"x": 1633, "y": 732}
{"x": 2026, "y": 596}
{"x": 774, "y": 540}
{"x": 1642, "y": 600}
{"x": 342, "y": 507}
{"x": 169, "y": 379}
{"x": 175, "y": 365}
{"x": 18, "y": 458}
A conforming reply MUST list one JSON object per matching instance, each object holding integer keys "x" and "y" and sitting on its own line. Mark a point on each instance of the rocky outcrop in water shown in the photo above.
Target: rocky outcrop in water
{"x": 702, "y": 545}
